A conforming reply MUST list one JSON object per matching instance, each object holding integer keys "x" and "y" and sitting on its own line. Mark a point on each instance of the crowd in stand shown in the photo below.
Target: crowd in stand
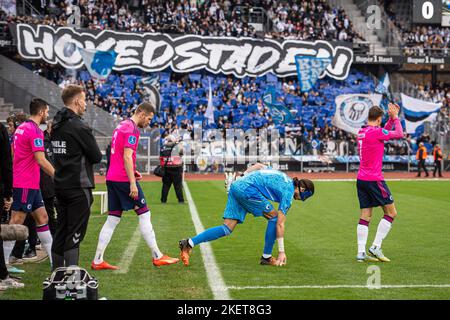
{"x": 419, "y": 40}
{"x": 299, "y": 19}
{"x": 426, "y": 41}
{"x": 309, "y": 20}
{"x": 237, "y": 102}
{"x": 440, "y": 94}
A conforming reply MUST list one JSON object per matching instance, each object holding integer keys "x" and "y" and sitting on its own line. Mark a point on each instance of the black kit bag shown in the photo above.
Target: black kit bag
{"x": 71, "y": 283}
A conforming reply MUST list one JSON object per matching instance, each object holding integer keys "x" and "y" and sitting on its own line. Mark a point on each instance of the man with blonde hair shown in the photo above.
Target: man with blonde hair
{"x": 75, "y": 151}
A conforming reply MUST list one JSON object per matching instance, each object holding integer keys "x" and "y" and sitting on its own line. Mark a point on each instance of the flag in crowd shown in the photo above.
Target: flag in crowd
{"x": 279, "y": 112}
{"x": 417, "y": 112}
{"x": 309, "y": 70}
{"x": 98, "y": 63}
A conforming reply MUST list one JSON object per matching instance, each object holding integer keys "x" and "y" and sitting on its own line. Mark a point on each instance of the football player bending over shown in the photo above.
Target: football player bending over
{"x": 251, "y": 193}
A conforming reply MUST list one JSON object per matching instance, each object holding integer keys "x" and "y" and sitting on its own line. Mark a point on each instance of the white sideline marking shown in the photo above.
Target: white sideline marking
{"x": 128, "y": 255}
{"x": 215, "y": 279}
{"x": 387, "y": 286}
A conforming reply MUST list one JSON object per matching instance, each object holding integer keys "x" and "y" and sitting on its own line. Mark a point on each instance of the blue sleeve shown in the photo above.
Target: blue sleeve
{"x": 286, "y": 202}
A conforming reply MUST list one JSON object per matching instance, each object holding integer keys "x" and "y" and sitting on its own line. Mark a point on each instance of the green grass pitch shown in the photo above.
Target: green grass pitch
{"x": 320, "y": 245}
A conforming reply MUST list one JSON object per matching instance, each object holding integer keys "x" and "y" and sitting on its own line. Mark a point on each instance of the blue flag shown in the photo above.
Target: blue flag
{"x": 383, "y": 86}
{"x": 383, "y": 89}
{"x": 280, "y": 113}
{"x": 98, "y": 63}
{"x": 309, "y": 70}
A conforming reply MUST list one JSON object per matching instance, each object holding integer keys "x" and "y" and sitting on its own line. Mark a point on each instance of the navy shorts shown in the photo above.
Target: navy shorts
{"x": 26, "y": 200}
{"x": 119, "y": 198}
{"x": 373, "y": 194}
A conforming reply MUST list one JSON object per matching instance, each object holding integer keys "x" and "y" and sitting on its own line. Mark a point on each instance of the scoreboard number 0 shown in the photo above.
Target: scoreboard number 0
{"x": 427, "y": 11}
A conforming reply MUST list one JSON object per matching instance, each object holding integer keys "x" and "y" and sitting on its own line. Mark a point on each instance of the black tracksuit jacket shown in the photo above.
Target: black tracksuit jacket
{"x": 5, "y": 164}
{"x": 75, "y": 151}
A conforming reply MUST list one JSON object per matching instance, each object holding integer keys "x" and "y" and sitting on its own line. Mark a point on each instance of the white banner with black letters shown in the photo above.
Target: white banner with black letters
{"x": 352, "y": 110}
{"x": 155, "y": 51}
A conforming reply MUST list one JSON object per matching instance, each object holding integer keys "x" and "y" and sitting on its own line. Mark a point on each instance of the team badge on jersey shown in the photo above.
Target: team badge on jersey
{"x": 132, "y": 140}
{"x": 38, "y": 143}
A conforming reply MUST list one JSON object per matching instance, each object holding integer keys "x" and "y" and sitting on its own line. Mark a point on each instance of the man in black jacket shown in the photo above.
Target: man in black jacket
{"x": 75, "y": 151}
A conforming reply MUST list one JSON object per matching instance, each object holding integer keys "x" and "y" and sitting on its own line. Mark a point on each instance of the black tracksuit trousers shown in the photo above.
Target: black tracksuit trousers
{"x": 73, "y": 217}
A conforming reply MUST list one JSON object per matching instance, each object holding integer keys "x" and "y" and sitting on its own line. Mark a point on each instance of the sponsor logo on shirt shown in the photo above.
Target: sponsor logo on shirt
{"x": 38, "y": 143}
{"x": 132, "y": 140}
{"x": 386, "y": 132}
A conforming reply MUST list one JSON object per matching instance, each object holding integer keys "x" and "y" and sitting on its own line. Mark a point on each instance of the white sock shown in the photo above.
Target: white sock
{"x": 105, "y": 237}
{"x": 266, "y": 256}
{"x": 362, "y": 232}
{"x": 46, "y": 241}
{"x": 148, "y": 233}
{"x": 8, "y": 247}
{"x": 191, "y": 243}
{"x": 383, "y": 229}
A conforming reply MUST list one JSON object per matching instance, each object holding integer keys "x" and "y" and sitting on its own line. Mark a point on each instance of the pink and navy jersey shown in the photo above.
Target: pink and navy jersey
{"x": 371, "y": 148}
{"x": 126, "y": 135}
{"x": 28, "y": 139}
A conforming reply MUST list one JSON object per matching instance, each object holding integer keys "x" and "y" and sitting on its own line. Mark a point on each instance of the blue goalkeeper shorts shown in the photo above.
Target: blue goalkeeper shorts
{"x": 244, "y": 198}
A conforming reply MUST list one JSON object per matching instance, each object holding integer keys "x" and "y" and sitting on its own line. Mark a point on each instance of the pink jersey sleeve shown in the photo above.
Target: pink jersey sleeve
{"x": 385, "y": 134}
{"x": 130, "y": 140}
{"x": 37, "y": 140}
{"x": 389, "y": 124}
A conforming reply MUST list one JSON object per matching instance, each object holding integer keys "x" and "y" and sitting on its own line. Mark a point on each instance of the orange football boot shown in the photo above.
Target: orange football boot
{"x": 103, "y": 266}
{"x": 164, "y": 261}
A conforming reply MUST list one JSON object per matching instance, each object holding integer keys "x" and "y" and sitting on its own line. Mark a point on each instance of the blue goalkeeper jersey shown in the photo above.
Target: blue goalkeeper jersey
{"x": 274, "y": 185}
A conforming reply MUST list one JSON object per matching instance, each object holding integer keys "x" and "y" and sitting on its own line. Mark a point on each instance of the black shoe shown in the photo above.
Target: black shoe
{"x": 181, "y": 202}
{"x": 186, "y": 250}
{"x": 184, "y": 244}
{"x": 30, "y": 255}
{"x": 267, "y": 261}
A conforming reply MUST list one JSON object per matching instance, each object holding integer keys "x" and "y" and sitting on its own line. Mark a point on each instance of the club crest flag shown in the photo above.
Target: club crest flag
{"x": 352, "y": 110}
{"x": 279, "y": 112}
{"x": 98, "y": 63}
{"x": 417, "y": 112}
{"x": 150, "y": 86}
{"x": 309, "y": 70}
